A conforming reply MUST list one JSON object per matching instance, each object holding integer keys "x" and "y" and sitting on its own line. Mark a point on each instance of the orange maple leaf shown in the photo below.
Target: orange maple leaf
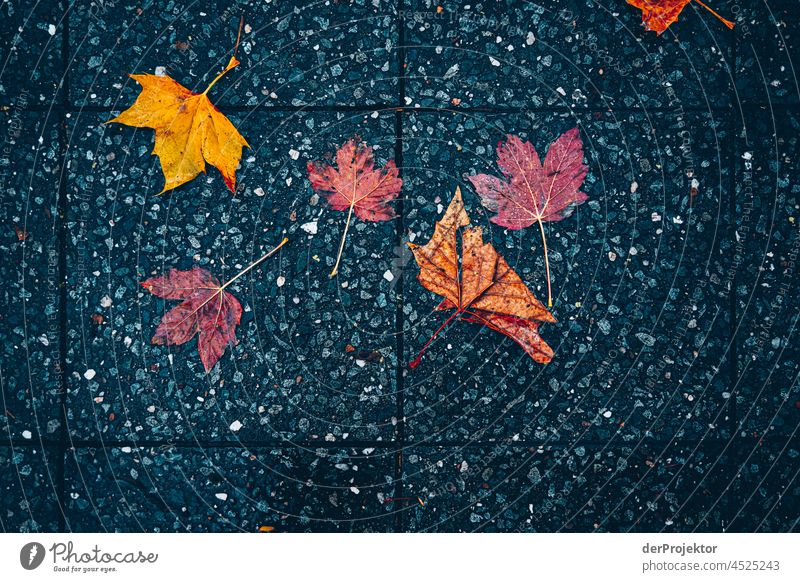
{"x": 657, "y": 15}
{"x": 482, "y": 287}
{"x": 190, "y": 130}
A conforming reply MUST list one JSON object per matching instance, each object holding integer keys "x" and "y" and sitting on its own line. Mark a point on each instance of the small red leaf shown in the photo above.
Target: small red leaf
{"x": 355, "y": 182}
{"x": 206, "y": 310}
{"x": 533, "y": 192}
{"x": 356, "y": 186}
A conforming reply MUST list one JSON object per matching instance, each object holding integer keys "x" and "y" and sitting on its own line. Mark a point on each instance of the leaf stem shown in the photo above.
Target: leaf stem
{"x": 344, "y": 236}
{"x": 546, "y": 265}
{"x": 413, "y": 364}
{"x": 238, "y": 34}
{"x": 726, "y": 22}
{"x": 233, "y": 63}
{"x": 255, "y": 263}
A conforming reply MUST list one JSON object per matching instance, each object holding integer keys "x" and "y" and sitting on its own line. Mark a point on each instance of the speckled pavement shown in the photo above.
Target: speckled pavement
{"x": 671, "y": 403}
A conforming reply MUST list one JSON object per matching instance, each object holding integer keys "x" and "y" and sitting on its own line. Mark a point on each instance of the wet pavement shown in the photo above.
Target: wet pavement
{"x": 672, "y": 400}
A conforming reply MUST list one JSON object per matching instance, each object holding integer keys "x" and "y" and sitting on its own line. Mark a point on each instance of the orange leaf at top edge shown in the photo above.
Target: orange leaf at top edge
{"x": 658, "y": 15}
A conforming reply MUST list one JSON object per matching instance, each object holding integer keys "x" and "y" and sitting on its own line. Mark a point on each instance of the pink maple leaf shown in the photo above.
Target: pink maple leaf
{"x": 532, "y": 192}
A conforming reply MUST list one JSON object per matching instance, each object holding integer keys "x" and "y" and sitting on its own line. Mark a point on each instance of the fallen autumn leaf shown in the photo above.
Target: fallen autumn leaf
{"x": 481, "y": 287}
{"x": 190, "y": 130}
{"x": 356, "y": 186}
{"x": 207, "y": 309}
{"x": 533, "y": 192}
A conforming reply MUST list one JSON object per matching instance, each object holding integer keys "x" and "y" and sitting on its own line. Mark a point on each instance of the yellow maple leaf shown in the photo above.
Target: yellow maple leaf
{"x": 190, "y": 130}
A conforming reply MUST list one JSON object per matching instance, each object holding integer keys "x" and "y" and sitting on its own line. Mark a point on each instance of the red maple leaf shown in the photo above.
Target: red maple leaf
{"x": 356, "y": 186}
{"x": 531, "y": 191}
{"x": 657, "y": 15}
{"x": 207, "y": 310}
